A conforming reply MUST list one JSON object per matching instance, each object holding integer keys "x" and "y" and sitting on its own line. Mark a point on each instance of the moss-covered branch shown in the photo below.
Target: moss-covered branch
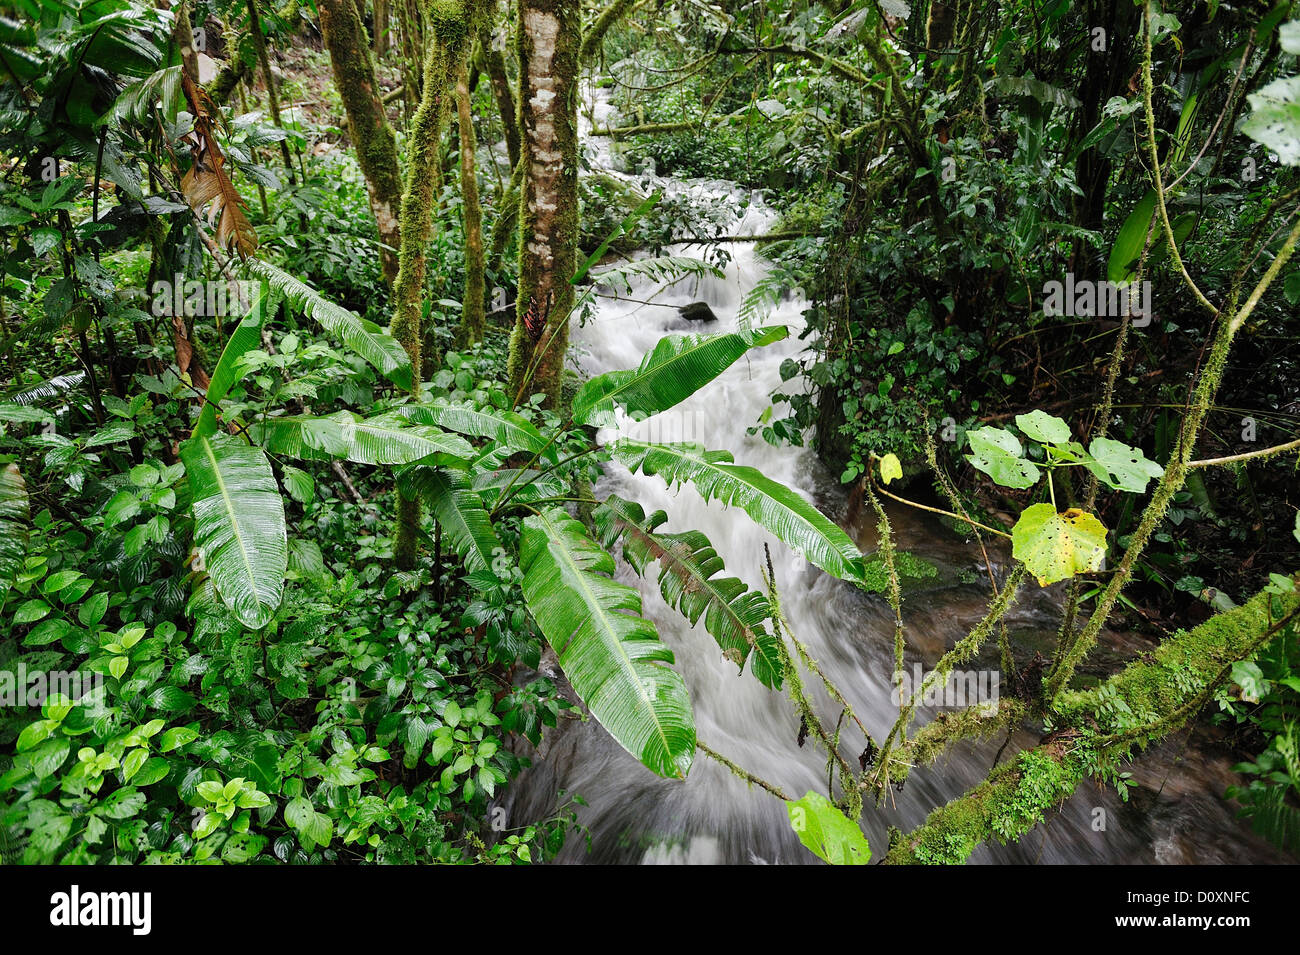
{"x": 1155, "y": 696}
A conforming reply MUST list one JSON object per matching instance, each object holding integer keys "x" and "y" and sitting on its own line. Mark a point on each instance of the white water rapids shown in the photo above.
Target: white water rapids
{"x": 632, "y": 816}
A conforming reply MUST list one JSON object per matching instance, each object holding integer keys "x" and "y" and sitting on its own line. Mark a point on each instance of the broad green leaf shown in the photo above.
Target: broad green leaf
{"x": 246, "y": 337}
{"x": 610, "y": 653}
{"x": 688, "y": 568}
{"x": 13, "y": 523}
{"x": 674, "y": 370}
{"x": 458, "y": 510}
{"x": 374, "y": 344}
{"x": 1043, "y": 427}
{"x": 997, "y": 452}
{"x": 384, "y": 439}
{"x": 238, "y": 524}
{"x": 1131, "y": 239}
{"x": 1122, "y": 467}
{"x": 1056, "y": 546}
{"x": 773, "y": 506}
{"x": 506, "y": 428}
{"x": 826, "y": 832}
{"x": 1274, "y": 120}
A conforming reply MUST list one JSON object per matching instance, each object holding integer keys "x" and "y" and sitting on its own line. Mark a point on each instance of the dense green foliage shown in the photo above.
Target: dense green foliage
{"x": 272, "y": 590}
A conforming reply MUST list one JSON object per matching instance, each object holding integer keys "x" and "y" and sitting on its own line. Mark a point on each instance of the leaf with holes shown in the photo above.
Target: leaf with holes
{"x": 1055, "y": 546}
{"x": 997, "y": 453}
{"x": 1043, "y": 427}
{"x": 1122, "y": 467}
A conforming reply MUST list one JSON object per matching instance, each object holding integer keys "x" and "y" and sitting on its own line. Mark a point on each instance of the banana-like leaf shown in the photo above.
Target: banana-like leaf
{"x": 246, "y": 337}
{"x": 610, "y": 653}
{"x": 459, "y": 510}
{"x": 732, "y": 612}
{"x": 374, "y": 344}
{"x": 13, "y": 524}
{"x": 675, "y": 369}
{"x": 238, "y": 524}
{"x": 506, "y": 428}
{"x": 526, "y": 486}
{"x": 770, "y": 504}
{"x": 384, "y": 439}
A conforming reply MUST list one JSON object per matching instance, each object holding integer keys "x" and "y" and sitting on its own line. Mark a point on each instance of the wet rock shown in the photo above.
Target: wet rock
{"x": 697, "y": 312}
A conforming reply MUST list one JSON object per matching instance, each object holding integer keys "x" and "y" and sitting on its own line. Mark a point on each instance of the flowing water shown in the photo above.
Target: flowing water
{"x": 1175, "y": 814}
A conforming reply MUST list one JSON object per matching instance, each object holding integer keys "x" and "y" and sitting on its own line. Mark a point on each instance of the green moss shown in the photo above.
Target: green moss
{"x": 908, "y": 565}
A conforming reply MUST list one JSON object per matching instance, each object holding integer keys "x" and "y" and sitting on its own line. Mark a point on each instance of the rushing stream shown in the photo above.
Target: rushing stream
{"x": 1176, "y": 814}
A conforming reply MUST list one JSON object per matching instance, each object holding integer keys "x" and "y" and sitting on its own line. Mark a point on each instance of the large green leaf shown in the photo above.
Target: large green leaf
{"x": 827, "y": 832}
{"x": 610, "y": 653}
{"x": 688, "y": 566}
{"x": 507, "y": 428}
{"x": 773, "y": 506}
{"x": 246, "y": 337}
{"x": 238, "y": 524}
{"x": 384, "y": 439}
{"x": 1131, "y": 239}
{"x": 674, "y": 370}
{"x": 380, "y": 349}
{"x": 13, "y": 524}
{"x": 1056, "y": 546}
{"x": 459, "y": 510}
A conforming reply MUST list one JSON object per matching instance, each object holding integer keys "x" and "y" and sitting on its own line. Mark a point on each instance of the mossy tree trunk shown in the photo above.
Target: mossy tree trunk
{"x": 354, "y": 76}
{"x": 549, "y": 37}
{"x": 494, "y": 65}
{"x": 473, "y": 314}
{"x": 451, "y": 24}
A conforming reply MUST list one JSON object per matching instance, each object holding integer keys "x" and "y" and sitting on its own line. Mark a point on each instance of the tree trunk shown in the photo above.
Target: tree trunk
{"x": 273, "y": 100}
{"x": 452, "y": 23}
{"x": 381, "y": 27}
{"x": 372, "y": 137}
{"x": 473, "y": 310}
{"x": 549, "y": 36}
{"x": 494, "y": 65}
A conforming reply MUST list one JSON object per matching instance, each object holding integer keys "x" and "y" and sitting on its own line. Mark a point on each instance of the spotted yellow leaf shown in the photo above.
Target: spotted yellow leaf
{"x": 1056, "y": 546}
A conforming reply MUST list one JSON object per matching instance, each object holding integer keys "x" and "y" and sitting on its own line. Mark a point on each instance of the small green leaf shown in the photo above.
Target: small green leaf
{"x": 827, "y": 832}
{"x": 997, "y": 453}
{"x": 1044, "y": 427}
{"x": 1122, "y": 467}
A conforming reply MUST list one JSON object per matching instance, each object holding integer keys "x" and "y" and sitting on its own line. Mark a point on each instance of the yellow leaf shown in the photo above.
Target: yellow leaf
{"x": 890, "y": 468}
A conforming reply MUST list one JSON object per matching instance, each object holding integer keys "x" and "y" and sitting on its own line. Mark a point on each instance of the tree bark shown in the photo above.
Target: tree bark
{"x": 494, "y": 65}
{"x": 549, "y": 37}
{"x": 372, "y": 137}
{"x": 473, "y": 309}
{"x": 452, "y": 24}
